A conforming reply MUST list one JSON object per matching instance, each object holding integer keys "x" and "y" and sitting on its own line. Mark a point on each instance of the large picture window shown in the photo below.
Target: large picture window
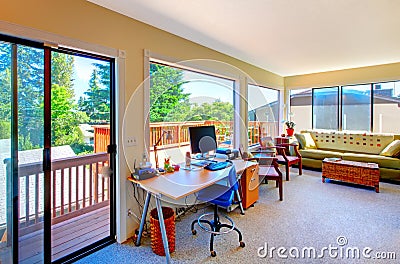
{"x": 301, "y": 108}
{"x": 386, "y": 107}
{"x": 325, "y": 108}
{"x": 356, "y": 107}
{"x": 364, "y": 107}
{"x": 263, "y": 112}
{"x": 180, "y": 98}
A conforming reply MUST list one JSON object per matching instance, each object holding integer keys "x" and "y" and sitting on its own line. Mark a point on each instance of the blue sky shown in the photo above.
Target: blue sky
{"x": 83, "y": 68}
{"x": 202, "y": 85}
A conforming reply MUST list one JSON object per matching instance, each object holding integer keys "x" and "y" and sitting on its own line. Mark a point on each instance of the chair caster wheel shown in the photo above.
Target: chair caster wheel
{"x": 242, "y": 244}
{"x": 194, "y": 232}
{"x": 213, "y": 253}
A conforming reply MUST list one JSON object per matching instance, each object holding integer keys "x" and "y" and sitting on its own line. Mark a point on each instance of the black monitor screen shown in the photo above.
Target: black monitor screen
{"x": 202, "y": 139}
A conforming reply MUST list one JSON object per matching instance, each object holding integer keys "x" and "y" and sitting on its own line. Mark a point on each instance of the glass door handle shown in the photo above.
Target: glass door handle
{"x": 46, "y": 159}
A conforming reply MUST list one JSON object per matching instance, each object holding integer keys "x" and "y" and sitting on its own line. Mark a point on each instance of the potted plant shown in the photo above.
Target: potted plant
{"x": 290, "y": 128}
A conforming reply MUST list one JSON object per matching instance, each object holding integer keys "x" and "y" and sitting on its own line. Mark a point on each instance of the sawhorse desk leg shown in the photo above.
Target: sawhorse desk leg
{"x": 161, "y": 221}
{"x": 143, "y": 220}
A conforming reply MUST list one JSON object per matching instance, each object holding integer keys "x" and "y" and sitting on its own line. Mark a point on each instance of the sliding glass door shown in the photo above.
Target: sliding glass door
{"x": 56, "y": 137}
{"x": 80, "y": 135}
{"x": 6, "y": 204}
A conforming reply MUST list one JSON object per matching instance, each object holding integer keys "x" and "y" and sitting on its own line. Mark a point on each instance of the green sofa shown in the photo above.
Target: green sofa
{"x": 363, "y": 147}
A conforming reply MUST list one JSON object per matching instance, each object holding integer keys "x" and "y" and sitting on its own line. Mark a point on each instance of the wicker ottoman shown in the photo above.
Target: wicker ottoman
{"x": 351, "y": 171}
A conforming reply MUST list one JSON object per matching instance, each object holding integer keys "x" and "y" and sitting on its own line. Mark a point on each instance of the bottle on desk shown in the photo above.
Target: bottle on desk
{"x": 187, "y": 160}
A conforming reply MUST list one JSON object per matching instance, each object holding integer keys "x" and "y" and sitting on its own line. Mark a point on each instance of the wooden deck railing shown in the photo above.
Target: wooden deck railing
{"x": 180, "y": 134}
{"x": 101, "y": 138}
{"x": 224, "y": 131}
{"x": 76, "y": 184}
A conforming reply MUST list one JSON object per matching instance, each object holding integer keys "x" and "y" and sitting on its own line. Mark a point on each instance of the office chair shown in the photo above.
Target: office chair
{"x": 219, "y": 195}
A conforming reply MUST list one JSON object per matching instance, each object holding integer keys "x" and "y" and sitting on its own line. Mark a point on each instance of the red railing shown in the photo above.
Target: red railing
{"x": 101, "y": 138}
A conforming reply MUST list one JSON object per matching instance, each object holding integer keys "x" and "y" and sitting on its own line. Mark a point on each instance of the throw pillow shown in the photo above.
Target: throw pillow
{"x": 392, "y": 149}
{"x": 301, "y": 139}
{"x": 310, "y": 144}
{"x": 305, "y": 140}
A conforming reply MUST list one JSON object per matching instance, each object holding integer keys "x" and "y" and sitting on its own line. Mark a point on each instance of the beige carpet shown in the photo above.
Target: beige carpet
{"x": 336, "y": 220}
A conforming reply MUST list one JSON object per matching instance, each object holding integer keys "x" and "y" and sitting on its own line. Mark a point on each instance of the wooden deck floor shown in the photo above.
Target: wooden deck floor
{"x": 67, "y": 236}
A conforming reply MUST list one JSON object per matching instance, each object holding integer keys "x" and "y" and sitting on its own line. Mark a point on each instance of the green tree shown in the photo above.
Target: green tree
{"x": 96, "y": 102}
{"x": 30, "y": 77}
{"x": 65, "y": 118}
{"x": 166, "y": 92}
{"x": 218, "y": 110}
{"x": 5, "y": 129}
{"x": 62, "y": 70}
{"x": 5, "y": 90}
{"x": 30, "y": 93}
{"x": 30, "y": 74}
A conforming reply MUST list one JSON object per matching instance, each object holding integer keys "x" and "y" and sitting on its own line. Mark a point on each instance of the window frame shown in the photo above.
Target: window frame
{"x": 279, "y": 100}
{"x": 340, "y": 103}
{"x": 196, "y": 68}
{"x": 338, "y": 123}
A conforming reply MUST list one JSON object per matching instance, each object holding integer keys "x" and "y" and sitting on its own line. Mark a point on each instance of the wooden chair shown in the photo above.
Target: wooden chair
{"x": 284, "y": 157}
{"x": 268, "y": 168}
{"x": 281, "y": 152}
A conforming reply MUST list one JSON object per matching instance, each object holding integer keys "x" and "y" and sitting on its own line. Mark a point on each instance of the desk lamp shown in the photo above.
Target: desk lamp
{"x": 168, "y": 137}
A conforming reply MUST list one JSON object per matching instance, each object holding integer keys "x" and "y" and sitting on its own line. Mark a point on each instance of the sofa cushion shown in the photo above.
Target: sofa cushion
{"x": 305, "y": 140}
{"x": 382, "y": 161}
{"x": 391, "y": 150}
{"x": 320, "y": 154}
{"x": 370, "y": 143}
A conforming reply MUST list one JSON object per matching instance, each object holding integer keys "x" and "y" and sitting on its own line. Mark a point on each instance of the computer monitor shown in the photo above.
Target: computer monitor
{"x": 202, "y": 139}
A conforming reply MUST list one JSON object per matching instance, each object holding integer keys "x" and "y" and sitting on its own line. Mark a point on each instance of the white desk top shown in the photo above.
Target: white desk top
{"x": 182, "y": 183}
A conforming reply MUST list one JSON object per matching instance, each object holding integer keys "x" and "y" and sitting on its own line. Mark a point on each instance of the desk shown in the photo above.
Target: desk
{"x": 177, "y": 185}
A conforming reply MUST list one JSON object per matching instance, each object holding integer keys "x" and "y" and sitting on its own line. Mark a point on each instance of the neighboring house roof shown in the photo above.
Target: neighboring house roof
{"x": 33, "y": 155}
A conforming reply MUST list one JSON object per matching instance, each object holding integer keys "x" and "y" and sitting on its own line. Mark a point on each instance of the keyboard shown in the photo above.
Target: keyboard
{"x": 218, "y": 166}
{"x": 200, "y": 163}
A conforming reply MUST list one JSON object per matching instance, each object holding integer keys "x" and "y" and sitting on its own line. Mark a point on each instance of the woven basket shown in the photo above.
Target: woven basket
{"x": 156, "y": 238}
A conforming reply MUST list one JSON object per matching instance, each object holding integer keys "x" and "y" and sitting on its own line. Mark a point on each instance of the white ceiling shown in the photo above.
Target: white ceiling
{"x": 286, "y": 37}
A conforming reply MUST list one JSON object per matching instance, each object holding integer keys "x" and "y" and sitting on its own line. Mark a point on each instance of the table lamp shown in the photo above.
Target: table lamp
{"x": 168, "y": 137}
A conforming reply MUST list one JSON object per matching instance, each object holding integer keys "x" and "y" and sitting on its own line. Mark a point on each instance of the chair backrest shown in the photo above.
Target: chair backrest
{"x": 232, "y": 179}
{"x": 266, "y": 141}
{"x": 266, "y": 161}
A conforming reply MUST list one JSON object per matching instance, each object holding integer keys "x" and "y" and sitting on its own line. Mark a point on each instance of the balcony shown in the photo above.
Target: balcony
{"x": 79, "y": 206}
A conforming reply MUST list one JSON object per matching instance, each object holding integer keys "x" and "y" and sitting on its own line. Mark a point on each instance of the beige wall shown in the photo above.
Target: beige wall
{"x": 84, "y": 21}
{"x": 379, "y": 73}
